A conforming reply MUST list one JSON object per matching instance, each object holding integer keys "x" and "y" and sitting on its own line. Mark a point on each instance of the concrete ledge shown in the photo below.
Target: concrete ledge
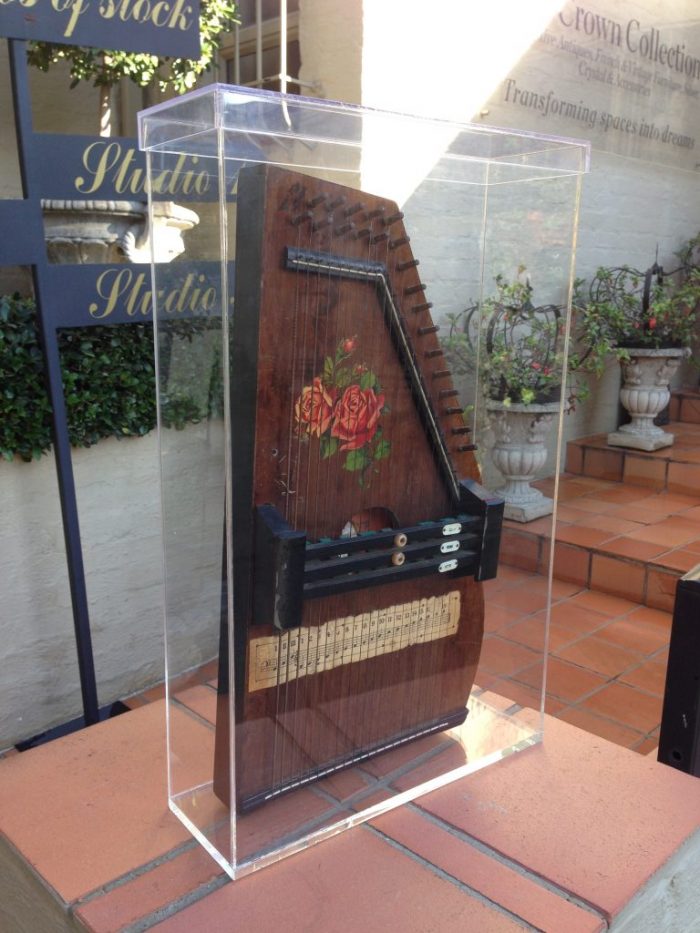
{"x": 574, "y": 835}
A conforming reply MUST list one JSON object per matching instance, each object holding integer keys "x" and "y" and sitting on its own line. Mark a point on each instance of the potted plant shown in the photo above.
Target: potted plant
{"x": 648, "y": 320}
{"x": 516, "y": 349}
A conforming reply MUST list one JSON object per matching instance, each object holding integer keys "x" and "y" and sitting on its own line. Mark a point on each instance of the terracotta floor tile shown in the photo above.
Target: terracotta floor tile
{"x": 650, "y": 676}
{"x": 530, "y": 632}
{"x": 618, "y": 577}
{"x": 622, "y": 495}
{"x": 610, "y": 523}
{"x": 568, "y": 512}
{"x": 603, "y": 464}
{"x": 507, "y": 577}
{"x": 637, "y": 634}
{"x": 499, "y": 656}
{"x": 526, "y": 696}
{"x": 603, "y": 603}
{"x": 600, "y": 656}
{"x": 577, "y": 617}
{"x": 497, "y": 617}
{"x": 588, "y": 504}
{"x": 684, "y": 478}
{"x": 636, "y": 513}
{"x": 200, "y": 699}
{"x": 666, "y": 532}
{"x": 522, "y": 599}
{"x": 626, "y": 705}
{"x": 692, "y": 514}
{"x": 693, "y": 546}
{"x": 680, "y": 559}
{"x": 670, "y": 503}
{"x": 520, "y": 550}
{"x": 564, "y": 681}
{"x": 562, "y": 589}
{"x": 574, "y": 457}
{"x": 582, "y": 536}
{"x": 631, "y": 547}
{"x": 599, "y": 725}
{"x": 498, "y": 882}
{"x": 648, "y": 746}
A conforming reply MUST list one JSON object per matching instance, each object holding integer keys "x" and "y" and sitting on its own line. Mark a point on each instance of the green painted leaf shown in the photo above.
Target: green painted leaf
{"x": 356, "y": 460}
{"x": 329, "y": 446}
{"x": 382, "y": 450}
{"x": 368, "y": 380}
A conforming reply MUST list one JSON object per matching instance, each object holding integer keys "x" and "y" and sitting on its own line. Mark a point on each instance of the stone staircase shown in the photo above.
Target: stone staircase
{"x": 628, "y": 521}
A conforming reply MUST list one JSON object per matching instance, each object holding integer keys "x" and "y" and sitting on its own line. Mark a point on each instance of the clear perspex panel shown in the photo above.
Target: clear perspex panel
{"x": 360, "y": 364}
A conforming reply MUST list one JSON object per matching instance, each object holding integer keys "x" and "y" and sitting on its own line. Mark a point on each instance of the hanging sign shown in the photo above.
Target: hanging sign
{"x": 159, "y": 27}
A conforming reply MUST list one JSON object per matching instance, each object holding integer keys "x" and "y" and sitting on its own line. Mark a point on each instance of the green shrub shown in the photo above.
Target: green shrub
{"x": 108, "y": 378}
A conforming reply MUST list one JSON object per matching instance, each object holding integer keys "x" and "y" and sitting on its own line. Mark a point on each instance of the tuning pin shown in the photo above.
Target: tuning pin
{"x": 412, "y": 289}
{"x": 462, "y": 429}
{"x": 462, "y": 448}
{"x": 336, "y": 202}
{"x": 441, "y": 374}
{"x": 432, "y": 329}
{"x": 378, "y": 237}
{"x": 392, "y": 219}
{"x": 408, "y": 264}
{"x": 320, "y": 224}
{"x": 344, "y": 228}
{"x": 424, "y": 306}
{"x": 349, "y": 211}
{"x": 447, "y": 393}
{"x": 377, "y": 212}
{"x": 319, "y": 199}
{"x": 300, "y": 218}
{"x": 400, "y": 241}
{"x": 431, "y": 354}
{"x": 366, "y": 231}
{"x": 453, "y": 410}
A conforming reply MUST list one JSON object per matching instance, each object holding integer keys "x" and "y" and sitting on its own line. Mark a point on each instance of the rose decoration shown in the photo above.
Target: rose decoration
{"x": 356, "y": 417}
{"x": 343, "y": 409}
{"x": 314, "y": 409}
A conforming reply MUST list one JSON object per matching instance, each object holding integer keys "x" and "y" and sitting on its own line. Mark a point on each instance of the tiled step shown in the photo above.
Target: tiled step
{"x": 685, "y": 405}
{"x": 628, "y": 541}
{"x": 674, "y": 469}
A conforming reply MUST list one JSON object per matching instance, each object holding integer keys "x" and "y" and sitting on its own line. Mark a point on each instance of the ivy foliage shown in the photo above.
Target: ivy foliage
{"x": 106, "y": 67}
{"x": 108, "y": 381}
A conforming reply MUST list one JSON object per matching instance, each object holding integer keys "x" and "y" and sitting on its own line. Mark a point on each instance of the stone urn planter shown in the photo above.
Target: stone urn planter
{"x": 644, "y": 394}
{"x": 519, "y": 453}
{"x": 113, "y": 231}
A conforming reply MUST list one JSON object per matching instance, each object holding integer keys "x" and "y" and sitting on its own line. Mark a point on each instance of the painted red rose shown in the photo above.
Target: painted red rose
{"x": 356, "y": 417}
{"x": 314, "y": 408}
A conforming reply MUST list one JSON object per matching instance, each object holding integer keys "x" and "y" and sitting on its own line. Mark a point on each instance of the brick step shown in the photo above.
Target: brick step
{"x": 618, "y": 538}
{"x": 685, "y": 405}
{"x": 674, "y": 469}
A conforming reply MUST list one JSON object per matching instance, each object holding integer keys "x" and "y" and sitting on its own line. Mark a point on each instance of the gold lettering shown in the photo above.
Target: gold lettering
{"x": 107, "y": 159}
{"x": 77, "y": 8}
{"x": 178, "y": 17}
{"x": 110, "y": 293}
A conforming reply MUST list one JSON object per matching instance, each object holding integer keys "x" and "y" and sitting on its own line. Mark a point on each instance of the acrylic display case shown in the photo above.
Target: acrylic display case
{"x": 360, "y": 356}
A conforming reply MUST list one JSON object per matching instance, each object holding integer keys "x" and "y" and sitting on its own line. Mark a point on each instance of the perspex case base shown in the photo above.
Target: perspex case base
{"x": 357, "y": 580}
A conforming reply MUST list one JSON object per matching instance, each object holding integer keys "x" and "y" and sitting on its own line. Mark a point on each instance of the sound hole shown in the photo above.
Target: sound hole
{"x": 373, "y": 519}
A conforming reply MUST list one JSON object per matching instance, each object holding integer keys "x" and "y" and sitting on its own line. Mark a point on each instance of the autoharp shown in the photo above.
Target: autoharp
{"x": 359, "y": 530}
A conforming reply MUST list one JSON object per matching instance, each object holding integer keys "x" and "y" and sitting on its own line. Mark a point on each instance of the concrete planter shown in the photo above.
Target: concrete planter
{"x": 644, "y": 394}
{"x": 519, "y": 453}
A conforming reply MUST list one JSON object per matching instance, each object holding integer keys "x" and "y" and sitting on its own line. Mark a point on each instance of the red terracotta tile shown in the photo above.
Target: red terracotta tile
{"x": 626, "y": 705}
{"x": 154, "y": 890}
{"x": 600, "y": 656}
{"x": 498, "y": 882}
{"x": 562, "y": 589}
{"x": 588, "y": 504}
{"x": 574, "y": 458}
{"x": 569, "y": 512}
{"x": 507, "y": 577}
{"x": 200, "y": 699}
{"x": 526, "y": 696}
{"x": 618, "y": 577}
{"x": 635, "y": 512}
{"x": 599, "y": 725}
{"x": 690, "y": 410}
{"x": 577, "y": 617}
{"x": 564, "y": 681}
{"x": 610, "y": 523}
{"x": 668, "y": 532}
{"x": 650, "y": 677}
{"x": 661, "y": 588}
{"x": 680, "y": 559}
{"x": 582, "y": 536}
{"x": 497, "y": 617}
{"x": 633, "y": 548}
{"x": 531, "y": 632}
{"x": 603, "y": 603}
{"x": 644, "y": 471}
{"x": 674, "y": 408}
{"x": 113, "y": 773}
{"x": 639, "y": 631}
{"x": 603, "y": 464}
{"x": 617, "y": 846}
{"x": 670, "y": 504}
{"x": 523, "y": 599}
{"x": 499, "y": 656}
{"x": 693, "y": 546}
{"x": 571, "y": 563}
{"x": 520, "y": 550}
{"x": 357, "y": 877}
{"x": 621, "y": 495}
{"x": 684, "y": 478}
{"x": 692, "y": 514}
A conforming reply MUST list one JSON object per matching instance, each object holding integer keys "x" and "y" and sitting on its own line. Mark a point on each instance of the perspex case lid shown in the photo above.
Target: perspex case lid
{"x": 361, "y": 347}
